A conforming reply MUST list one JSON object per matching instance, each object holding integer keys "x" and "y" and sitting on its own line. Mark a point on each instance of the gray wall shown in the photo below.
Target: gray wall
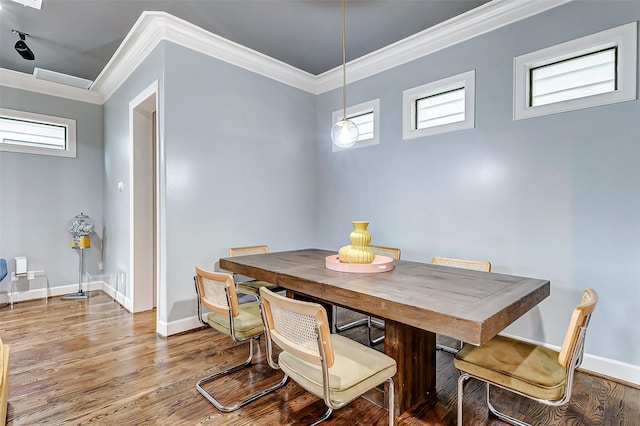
{"x": 553, "y": 197}
{"x": 239, "y": 166}
{"x": 40, "y": 194}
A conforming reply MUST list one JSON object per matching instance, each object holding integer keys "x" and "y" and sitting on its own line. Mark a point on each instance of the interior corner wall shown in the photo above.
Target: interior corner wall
{"x": 552, "y": 197}
{"x": 240, "y": 160}
{"x": 117, "y": 160}
{"x": 40, "y": 194}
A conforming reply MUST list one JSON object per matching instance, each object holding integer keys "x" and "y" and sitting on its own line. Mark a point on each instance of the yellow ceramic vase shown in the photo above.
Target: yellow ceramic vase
{"x": 358, "y": 251}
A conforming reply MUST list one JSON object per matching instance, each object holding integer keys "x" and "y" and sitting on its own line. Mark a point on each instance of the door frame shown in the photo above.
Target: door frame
{"x": 145, "y": 293}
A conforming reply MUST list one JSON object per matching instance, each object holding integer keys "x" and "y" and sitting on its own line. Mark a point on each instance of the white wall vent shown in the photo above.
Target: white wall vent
{"x": 58, "y": 77}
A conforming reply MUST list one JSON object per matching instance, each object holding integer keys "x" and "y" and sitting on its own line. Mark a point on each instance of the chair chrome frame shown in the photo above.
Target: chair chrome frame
{"x": 325, "y": 375}
{"x": 347, "y": 326}
{"x": 246, "y": 363}
{"x": 575, "y": 362}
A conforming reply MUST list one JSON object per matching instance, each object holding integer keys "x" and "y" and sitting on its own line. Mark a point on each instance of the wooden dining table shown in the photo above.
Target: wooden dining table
{"x": 417, "y": 301}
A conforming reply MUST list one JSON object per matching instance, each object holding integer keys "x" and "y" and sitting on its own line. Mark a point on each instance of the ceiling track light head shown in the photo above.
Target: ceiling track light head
{"x": 21, "y": 46}
{"x": 22, "y": 35}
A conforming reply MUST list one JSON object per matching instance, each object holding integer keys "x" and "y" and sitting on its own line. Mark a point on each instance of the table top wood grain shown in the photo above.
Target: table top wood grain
{"x": 467, "y": 305}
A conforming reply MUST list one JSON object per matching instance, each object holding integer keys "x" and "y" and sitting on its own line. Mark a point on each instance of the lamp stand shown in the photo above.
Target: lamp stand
{"x": 80, "y": 294}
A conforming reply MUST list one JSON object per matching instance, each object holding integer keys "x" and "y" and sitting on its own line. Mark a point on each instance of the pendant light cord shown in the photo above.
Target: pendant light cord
{"x": 344, "y": 66}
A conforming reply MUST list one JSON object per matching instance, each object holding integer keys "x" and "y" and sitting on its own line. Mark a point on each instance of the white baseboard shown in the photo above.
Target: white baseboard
{"x": 166, "y": 329}
{"x": 41, "y": 293}
{"x": 611, "y": 368}
{"x": 599, "y": 365}
{"x": 122, "y": 299}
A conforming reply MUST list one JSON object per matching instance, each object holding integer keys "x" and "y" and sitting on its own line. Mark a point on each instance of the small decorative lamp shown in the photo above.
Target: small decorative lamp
{"x": 81, "y": 228}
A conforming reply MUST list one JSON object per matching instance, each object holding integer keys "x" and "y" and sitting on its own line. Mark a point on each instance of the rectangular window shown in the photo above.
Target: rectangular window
{"x": 595, "y": 70}
{"x": 574, "y": 78}
{"x": 441, "y": 106}
{"x": 366, "y": 117}
{"x": 30, "y": 133}
{"x": 436, "y": 110}
{"x": 364, "y": 122}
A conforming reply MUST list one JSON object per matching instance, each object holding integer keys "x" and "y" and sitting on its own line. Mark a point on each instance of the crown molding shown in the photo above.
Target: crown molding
{"x": 193, "y": 37}
{"x": 481, "y": 20}
{"x": 144, "y": 36}
{"x": 151, "y": 28}
{"x": 23, "y": 81}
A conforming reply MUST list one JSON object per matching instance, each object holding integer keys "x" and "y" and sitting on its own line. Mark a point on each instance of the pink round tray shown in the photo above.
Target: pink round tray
{"x": 379, "y": 264}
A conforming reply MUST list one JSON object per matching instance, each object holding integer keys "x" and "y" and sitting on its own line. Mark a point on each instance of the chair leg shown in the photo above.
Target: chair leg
{"x": 502, "y": 416}
{"x": 461, "y": 380}
{"x": 371, "y": 323}
{"x": 392, "y": 399}
{"x": 391, "y": 394}
{"x": 247, "y": 363}
{"x": 324, "y": 417}
{"x": 341, "y": 328}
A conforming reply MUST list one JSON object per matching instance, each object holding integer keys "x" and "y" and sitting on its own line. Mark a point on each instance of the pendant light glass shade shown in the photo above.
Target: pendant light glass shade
{"x": 344, "y": 133}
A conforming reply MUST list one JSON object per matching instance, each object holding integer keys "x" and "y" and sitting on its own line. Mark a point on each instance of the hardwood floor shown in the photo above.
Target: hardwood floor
{"x": 90, "y": 361}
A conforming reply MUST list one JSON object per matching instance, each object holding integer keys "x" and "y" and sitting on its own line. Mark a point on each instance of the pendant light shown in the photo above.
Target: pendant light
{"x": 345, "y": 132}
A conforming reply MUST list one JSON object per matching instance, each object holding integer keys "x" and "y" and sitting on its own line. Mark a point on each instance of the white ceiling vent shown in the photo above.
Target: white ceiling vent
{"x": 58, "y": 77}
{"x": 36, "y": 4}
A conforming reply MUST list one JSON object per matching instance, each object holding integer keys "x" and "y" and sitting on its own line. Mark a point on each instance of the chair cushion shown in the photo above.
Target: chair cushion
{"x": 248, "y": 323}
{"x": 253, "y": 287}
{"x": 530, "y": 369}
{"x": 357, "y": 368}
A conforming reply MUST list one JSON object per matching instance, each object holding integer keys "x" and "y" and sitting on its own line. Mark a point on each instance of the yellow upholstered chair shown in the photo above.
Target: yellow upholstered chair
{"x": 393, "y": 253}
{"x": 475, "y": 265}
{"x": 534, "y": 371}
{"x": 242, "y": 322}
{"x": 4, "y": 381}
{"x": 330, "y": 366}
{"x": 251, "y": 287}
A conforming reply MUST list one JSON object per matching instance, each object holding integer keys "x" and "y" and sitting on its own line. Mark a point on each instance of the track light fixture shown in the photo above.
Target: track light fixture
{"x": 21, "y": 46}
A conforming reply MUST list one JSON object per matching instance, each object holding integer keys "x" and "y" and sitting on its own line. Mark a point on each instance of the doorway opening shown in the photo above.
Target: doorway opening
{"x": 144, "y": 200}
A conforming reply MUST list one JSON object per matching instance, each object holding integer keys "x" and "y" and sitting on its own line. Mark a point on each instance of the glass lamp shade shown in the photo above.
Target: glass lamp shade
{"x": 81, "y": 226}
{"x": 345, "y": 133}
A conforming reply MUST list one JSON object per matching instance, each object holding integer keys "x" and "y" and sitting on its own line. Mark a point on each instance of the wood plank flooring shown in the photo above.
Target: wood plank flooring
{"x": 92, "y": 362}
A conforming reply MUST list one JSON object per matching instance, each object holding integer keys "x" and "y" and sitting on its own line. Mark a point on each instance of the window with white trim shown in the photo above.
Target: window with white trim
{"x": 366, "y": 117}
{"x": 30, "y": 133}
{"x": 442, "y": 106}
{"x": 595, "y": 70}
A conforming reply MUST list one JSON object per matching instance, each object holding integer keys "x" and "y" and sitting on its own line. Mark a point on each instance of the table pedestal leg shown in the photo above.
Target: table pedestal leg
{"x": 415, "y": 353}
